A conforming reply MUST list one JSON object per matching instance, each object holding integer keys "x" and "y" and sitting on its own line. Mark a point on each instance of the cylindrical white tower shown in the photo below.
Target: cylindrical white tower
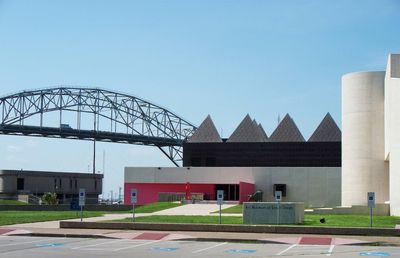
{"x": 363, "y": 166}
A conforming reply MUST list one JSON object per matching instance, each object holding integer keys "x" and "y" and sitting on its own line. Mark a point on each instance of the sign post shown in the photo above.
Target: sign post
{"x": 220, "y": 200}
{"x": 82, "y": 198}
{"x": 278, "y": 198}
{"x": 371, "y": 204}
{"x": 133, "y": 201}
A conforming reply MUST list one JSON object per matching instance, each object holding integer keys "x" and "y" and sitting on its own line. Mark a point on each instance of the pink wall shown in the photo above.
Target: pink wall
{"x": 245, "y": 189}
{"x": 148, "y": 192}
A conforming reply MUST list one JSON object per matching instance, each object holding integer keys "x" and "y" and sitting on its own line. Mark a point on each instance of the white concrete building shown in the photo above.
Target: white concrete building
{"x": 371, "y": 136}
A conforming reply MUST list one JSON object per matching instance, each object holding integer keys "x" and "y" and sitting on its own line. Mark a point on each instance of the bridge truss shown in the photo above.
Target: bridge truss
{"x": 94, "y": 114}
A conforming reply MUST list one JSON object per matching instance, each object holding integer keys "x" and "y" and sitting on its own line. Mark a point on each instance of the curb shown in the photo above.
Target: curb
{"x": 231, "y": 228}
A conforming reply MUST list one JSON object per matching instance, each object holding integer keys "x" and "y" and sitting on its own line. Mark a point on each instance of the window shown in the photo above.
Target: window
{"x": 95, "y": 184}
{"x": 20, "y": 184}
{"x": 60, "y": 183}
{"x": 70, "y": 183}
{"x": 76, "y": 183}
{"x": 280, "y": 187}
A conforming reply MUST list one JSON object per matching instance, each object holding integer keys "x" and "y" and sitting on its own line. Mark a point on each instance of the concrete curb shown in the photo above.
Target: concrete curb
{"x": 232, "y": 228}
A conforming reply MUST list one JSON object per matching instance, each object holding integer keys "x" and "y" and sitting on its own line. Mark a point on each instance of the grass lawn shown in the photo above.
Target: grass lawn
{"x": 16, "y": 217}
{"x": 309, "y": 220}
{"x": 233, "y": 209}
{"x": 351, "y": 221}
{"x": 156, "y": 206}
{"x": 12, "y": 202}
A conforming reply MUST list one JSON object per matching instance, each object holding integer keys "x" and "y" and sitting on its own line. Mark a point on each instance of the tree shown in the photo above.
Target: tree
{"x": 49, "y": 198}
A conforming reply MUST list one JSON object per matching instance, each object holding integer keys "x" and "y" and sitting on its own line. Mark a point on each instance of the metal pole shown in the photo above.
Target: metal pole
{"x": 133, "y": 212}
{"x": 277, "y": 218}
{"x": 370, "y": 215}
{"x": 220, "y": 213}
{"x": 94, "y": 156}
{"x": 81, "y": 213}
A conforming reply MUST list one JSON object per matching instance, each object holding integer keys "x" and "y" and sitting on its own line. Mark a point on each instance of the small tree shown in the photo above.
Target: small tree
{"x": 49, "y": 198}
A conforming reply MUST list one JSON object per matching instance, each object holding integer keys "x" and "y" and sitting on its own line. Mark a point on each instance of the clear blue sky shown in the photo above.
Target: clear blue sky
{"x": 223, "y": 58}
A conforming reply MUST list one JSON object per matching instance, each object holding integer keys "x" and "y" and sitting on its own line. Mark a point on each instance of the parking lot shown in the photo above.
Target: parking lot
{"x": 43, "y": 247}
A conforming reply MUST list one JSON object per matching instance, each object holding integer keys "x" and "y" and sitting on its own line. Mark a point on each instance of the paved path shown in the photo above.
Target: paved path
{"x": 188, "y": 209}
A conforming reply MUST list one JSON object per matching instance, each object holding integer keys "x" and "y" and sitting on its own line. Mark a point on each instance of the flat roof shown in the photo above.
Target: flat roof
{"x": 11, "y": 172}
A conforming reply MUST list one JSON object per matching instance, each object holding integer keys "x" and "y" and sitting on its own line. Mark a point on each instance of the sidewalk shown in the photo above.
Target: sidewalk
{"x": 52, "y": 229}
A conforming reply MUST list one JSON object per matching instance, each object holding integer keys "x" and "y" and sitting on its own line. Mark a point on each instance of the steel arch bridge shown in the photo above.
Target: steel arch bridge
{"x": 94, "y": 114}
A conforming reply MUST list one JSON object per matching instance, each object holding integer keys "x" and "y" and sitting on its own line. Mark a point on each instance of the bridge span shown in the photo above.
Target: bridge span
{"x": 94, "y": 114}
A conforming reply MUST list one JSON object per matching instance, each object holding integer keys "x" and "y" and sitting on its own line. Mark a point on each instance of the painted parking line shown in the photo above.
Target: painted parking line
{"x": 287, "y": 249}
{"x": 31, "y": 242}
{"x": 330, "y": 250}
{"x": 99, "y": 244}
{"x": 208, "y": 248}
{"x": 134, "y": 246}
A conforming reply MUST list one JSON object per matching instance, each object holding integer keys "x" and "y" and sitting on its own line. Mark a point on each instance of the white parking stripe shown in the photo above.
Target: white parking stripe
{"x": 102, "y": 243}
{"x": 208, "y": 248}
{"x": 30, "y": 242}
{"x": 330, "y": 250}
{"x": 287, "y": 249}
{"x": 134, "y": 246}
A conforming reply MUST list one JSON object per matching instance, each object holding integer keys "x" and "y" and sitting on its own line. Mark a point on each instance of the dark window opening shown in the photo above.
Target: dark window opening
{"x": 280, "y": 187}
{"x": 20, "y": 184}
{"x": 95, "y": 184}
{"x": 76, "y": 183}
{"x": 70, "y": 184}
{"x": 60, "y": 183}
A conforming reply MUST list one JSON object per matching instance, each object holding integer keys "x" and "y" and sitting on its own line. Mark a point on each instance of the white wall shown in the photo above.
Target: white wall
{"x": 363, "y": 166}
{"x": 392, "y": 130}
{"x": 316, "y": 187}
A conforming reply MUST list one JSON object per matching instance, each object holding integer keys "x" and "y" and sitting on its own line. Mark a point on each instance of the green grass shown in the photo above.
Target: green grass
{"x": 351, "y": 221}
{"x": 233, "y": 209}
{"x": 185, "y": 219}
{"x": 12, "y": 202}
{"x": 309, "y": 220}
{"x": 156, "y": 206}
{"x": 17, "y": 217}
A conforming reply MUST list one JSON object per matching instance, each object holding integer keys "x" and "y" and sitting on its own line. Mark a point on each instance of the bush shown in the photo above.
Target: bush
{"x": 49, "y": 198}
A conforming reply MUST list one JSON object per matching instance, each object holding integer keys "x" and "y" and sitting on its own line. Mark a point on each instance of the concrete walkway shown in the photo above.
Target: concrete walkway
{"x": 188, "y": 209}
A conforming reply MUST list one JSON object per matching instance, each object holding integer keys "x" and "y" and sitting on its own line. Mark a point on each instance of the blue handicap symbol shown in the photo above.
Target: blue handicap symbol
{"x": 49, "y": 245}
{"x": 380, "y": 254}
{"x": 165, "y": 249}
{"x": 240, "y": 251}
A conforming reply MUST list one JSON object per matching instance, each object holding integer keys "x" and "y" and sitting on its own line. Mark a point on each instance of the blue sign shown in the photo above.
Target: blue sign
{"x": 49, "y": 245}
{"x": 165, "y": 249}
{"x": 380, "y": 254}
{"x": 240, "y": 251}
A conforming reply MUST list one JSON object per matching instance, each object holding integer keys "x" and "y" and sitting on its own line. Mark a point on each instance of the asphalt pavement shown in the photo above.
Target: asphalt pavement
{"x": 45, "y": 247}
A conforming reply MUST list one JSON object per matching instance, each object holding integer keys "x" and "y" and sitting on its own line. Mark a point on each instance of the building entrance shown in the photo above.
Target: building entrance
{"x": 231, "y": 191}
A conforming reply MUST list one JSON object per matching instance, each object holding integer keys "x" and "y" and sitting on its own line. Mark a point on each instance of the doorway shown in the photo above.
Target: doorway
{"x": 231, "y": 191}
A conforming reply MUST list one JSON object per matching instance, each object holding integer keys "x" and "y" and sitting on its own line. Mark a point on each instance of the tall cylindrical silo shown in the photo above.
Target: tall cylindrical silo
{"x": 363, "y": 166}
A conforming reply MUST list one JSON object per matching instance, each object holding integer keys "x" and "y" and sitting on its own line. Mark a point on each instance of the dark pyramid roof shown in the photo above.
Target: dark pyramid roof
{"x": 327, "y": 131}
{"x": 247, "y": 131}
{"x": 206, "y": 132}
{"x": 286, "y": 131}
{"x": 263, "y": 132}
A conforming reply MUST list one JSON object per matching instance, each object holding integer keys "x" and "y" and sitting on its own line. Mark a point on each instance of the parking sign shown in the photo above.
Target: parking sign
{"x": 82, "y": 197}
{"x": 278, "y": 196}
{"x": 133, "y": 196}
{"x": 220, "y": 196}
{"x": 371, "y": 199}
